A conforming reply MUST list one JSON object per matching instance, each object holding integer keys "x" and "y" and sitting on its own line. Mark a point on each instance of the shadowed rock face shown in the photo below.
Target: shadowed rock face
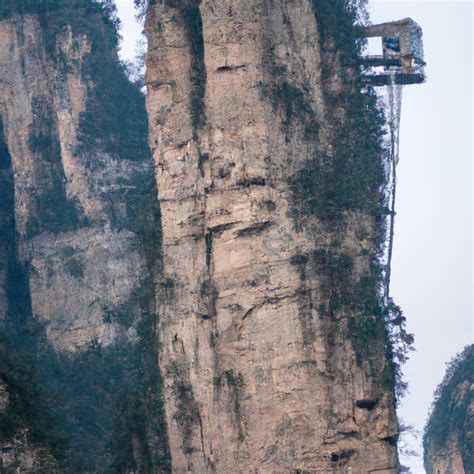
{"x": 80, "y": 247}
{"x": 83, "y": 259}
{"x": 18, "y": 453}
{"x": 259, "y": 375}
{"x": 449, "y": 433}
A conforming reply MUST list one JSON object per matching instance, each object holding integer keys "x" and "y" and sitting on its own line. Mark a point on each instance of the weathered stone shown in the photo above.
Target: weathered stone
{"x": 81, "y": 270}
{"x": 244, "y": 345}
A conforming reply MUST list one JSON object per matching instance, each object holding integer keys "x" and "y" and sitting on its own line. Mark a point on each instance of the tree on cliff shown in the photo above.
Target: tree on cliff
{"x": 449, "y": 431}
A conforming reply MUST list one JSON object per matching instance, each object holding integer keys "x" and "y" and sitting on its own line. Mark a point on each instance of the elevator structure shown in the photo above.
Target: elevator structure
{"x": 402, "y": 60}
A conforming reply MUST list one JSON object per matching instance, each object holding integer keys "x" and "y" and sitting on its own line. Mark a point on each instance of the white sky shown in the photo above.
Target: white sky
{"x": 433, "y": 258}
{"x": 131, "y": 30}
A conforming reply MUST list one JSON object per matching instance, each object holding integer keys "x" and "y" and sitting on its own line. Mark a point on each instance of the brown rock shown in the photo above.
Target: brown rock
{"x": 254, "y": 379}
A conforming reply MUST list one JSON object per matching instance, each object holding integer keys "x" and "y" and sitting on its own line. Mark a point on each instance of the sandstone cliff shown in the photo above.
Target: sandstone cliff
{"x": 257, "y": 286}
{"x": 449, "y": 434}
{"x": 269, "y": 164}
{"x": 80, "y": 243}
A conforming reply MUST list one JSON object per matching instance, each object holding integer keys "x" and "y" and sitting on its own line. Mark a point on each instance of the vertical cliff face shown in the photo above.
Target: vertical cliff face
{"x": 449, "y": 433}
{"x": 67, "y": 225}
{"x": 270, "y": 174}
{"x": 80, "y": 247}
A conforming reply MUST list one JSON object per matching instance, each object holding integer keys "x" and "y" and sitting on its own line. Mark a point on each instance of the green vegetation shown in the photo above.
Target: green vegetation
{"x": 235, "y": 383}
{"x": 115, "y": 120}
{"x": 193, "y": 23}
{"x": 299, "y": 259}
{"x": 73, "y": 263}
{"x": 191, "y": 17}
{"x": 142, "y": 6}
{"x": 56, "y": 15}
{"x": 187, "y": 413}
{"x": 139, "y": 434}
{"x": 75, "y": 267}
{"x": 353, "y": 177}
{"x": 450, "y": 416}
{"x": 123, "y": 314}
{"x": 213, "y": 338}
{"x": 86, "y": 399}
{"x": 330, "y": 186}
{"x": 368, "y": 318}
{"x": 166, "y": 283}
{"x": 233, "y": 380}
{"x": 350, "y": 178}
{"x": 203, "y": 158}
{"x": 143, "y": 217}
{"x": 12, "y": 7}
{"x": 208, "y": 238}
{"x": 142, "y": 412}
{"x": 28, "y": 407}
{"x": 290, "y": 99}
{"x": 293, "y": 101}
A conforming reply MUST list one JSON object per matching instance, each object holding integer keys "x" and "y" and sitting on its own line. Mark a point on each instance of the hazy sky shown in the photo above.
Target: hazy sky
{"x": 433, "y": 258}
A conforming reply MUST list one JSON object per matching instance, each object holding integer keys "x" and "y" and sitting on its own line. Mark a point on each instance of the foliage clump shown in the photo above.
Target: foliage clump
{"x": 115, "y": 120}
{"x": 28, "y": 405}
{"x": 193, "y": 23}
{"x": 190, "y": 16}
{"x": 187, "y": 413}
{"x": 451, "y": 418}
{"x": 346, "y": 180}
{"x": 292, "y": 100}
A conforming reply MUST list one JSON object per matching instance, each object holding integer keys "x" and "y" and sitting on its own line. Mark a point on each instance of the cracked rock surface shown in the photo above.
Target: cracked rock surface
{"x": 254, "y": 379}
{"x": 83, "y": 260}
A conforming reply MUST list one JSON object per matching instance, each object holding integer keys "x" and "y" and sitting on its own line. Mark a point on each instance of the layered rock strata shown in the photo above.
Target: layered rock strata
{"x": 258, "y": 375}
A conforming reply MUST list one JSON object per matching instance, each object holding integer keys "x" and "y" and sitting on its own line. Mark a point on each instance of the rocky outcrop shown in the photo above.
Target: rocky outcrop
{"x": 265, "y": 303}
{"x": 67, "y": 226}
{"x": 80, "y": 248}
{"x": 449, "y": 433}
{"x": 273, "y": 341}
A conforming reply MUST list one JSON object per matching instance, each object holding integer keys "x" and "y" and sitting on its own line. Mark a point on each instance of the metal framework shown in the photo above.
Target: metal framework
{"x": 402, "y": 58}
{"x": 402, "y": 63}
